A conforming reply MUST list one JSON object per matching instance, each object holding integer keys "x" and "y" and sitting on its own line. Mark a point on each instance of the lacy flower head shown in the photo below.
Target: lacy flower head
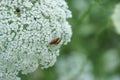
{"x": 31, "y": 33}
{"x": 116, "y": 18}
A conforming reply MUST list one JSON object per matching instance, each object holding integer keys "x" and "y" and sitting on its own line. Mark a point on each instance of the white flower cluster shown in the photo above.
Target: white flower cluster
{"x": 116, "y": 18}
{"x": 74, "y": 67}
{"x": 31, "y": 33}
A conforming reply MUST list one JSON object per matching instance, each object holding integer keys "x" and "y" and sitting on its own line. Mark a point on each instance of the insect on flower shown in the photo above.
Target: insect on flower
{"x": 56, "y": 41}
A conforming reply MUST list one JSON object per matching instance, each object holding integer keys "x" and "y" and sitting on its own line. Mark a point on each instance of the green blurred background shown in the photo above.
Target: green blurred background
{"x": 94, "y": 50}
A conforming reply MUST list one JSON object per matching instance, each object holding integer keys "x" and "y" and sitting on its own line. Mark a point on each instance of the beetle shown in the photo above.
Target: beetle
{"x": 56, "y": 41}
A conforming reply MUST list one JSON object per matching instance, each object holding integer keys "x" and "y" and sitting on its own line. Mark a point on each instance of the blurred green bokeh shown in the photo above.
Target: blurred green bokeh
{"x": 94, "y": 37}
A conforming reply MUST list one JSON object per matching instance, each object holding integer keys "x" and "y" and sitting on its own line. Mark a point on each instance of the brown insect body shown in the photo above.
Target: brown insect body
{"x": 56, "y": 41}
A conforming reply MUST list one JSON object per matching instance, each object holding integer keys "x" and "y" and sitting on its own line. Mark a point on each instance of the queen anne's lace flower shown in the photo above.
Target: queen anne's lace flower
{"x": 116, "y": 18}
{"x": 26, "y": 29}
